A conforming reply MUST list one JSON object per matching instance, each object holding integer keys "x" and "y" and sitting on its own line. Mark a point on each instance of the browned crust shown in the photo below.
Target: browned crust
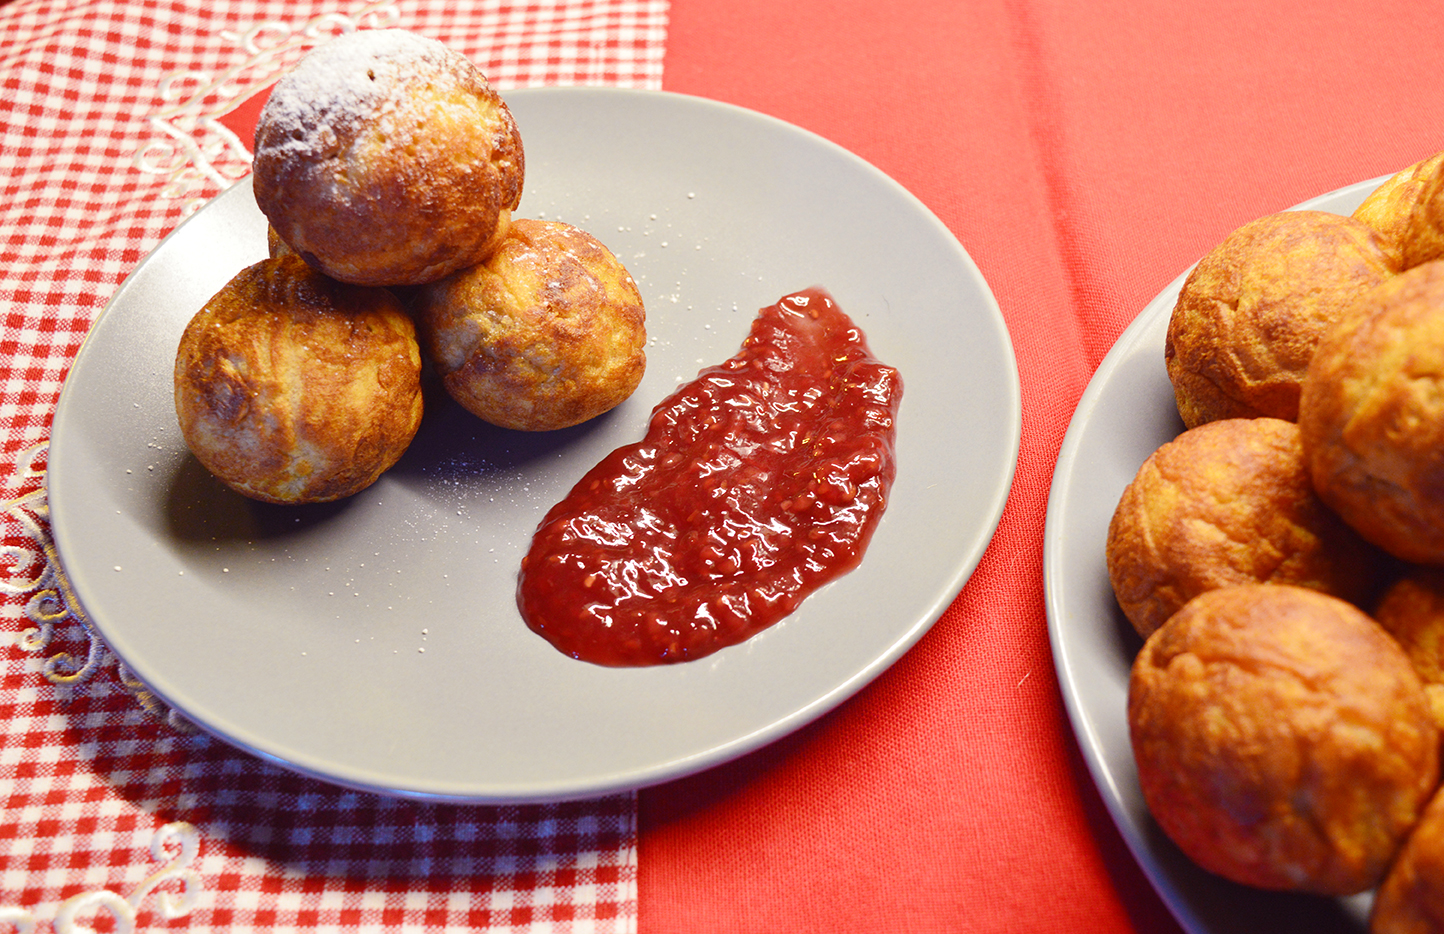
{"x": 1411, "y": 898}
{"x": 1412, "y": 611}
{"x": 1424, "y": 228}
{"x": 548, "y": 332}
{"x": 1390, "y": 209}
{"x": 397, "y": 181}
{"x": 1282, "y": 738}
{"x": 291, "y": 387}
{"x": 1372, "y": 416}
{"x": 1229, "y": 502}
{"x": 1252, "y": 311}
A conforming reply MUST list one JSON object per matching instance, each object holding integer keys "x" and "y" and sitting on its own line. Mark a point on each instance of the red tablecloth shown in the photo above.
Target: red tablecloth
{"x": 1083, "y": 154}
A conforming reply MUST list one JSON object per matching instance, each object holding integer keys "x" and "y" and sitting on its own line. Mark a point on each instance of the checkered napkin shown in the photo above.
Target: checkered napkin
{"x": 118, "y": 119}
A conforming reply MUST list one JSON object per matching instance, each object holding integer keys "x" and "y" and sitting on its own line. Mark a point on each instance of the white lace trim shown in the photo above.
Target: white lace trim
{"x": 190, "y": 146}
{"x": 52, "y": 601}
{"x": 175, "y": 845}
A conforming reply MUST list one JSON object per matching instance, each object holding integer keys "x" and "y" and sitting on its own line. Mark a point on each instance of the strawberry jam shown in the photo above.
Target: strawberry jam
{"x": 756, "y": 483}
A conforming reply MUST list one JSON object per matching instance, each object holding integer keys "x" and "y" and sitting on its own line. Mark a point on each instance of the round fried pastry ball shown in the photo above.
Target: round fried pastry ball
{"x": 1411, "y": 898}
{"x": 291, "y": 387}
{"x": 1251, "y": 312}
{"x": 385, "y": 158}
{"x": 1228, "y": 502}
{"x": 1412, "y": 611}
{"x": 1372, "y": 416}
{"x": 546, "y": 333}
{"x": 1390, "y": 208}
{"x": 1424, "y": 231}
{"x": 1282, "y": 738}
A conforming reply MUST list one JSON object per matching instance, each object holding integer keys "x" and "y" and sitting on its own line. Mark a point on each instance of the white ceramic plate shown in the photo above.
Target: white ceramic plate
{"x": 375, "y": 642}
{"x": 1127, "y": 412}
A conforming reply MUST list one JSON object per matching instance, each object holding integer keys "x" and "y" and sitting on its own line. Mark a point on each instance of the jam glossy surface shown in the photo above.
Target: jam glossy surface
{"x": 756, "y": 483}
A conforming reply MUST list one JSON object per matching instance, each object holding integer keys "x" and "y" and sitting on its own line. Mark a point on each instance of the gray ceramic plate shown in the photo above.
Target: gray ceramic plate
{"x": 376, "y": 642}
{"x": 1127, "y": 412}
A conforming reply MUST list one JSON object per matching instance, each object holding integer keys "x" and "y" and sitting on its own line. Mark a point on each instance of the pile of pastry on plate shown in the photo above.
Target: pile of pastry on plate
{"x": 1283, "y": 559}
{"x": 388, "y": 169}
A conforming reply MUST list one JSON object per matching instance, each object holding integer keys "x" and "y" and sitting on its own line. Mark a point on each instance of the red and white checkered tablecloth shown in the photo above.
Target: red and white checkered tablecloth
{"x": 117, "y": 121}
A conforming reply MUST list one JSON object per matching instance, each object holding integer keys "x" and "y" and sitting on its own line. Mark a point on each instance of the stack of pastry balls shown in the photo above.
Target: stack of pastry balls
{"x": 1283, "y": 559}
{"x": 388, "y": 169}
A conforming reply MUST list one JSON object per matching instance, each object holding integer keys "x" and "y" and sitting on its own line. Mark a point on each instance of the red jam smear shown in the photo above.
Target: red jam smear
{"x": 756, "y": 483}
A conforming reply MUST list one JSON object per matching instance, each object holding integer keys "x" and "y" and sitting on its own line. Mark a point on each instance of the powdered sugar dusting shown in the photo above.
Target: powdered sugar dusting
{"x": 342, "y": 82}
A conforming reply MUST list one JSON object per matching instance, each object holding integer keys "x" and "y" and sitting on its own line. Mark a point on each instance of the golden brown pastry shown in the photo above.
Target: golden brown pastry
{"x": 275, "y": 246}
{"x": 1412, "y": 611}
{"x": 1424, "y": 232}
{"x": 1228, "y": 502}
{"x": 294, "y": 388}
{"x": 1411, "y": 898}
{"x": 1282, "y": 738}
{"x": 1372, "y": 416}
{"x": 1251, "y": 312}
{"x": 385, "y": 158}
{"x": 1389, "y": 209}
{"x": 547, "y": 333}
